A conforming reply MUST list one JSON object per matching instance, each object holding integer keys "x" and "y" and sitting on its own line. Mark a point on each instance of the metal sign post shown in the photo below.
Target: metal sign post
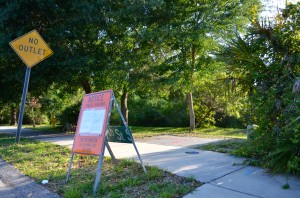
{"x": 99, "y": 170}
{"x": 70, "y": 166}
{"x": 127, "y": 128}
{"x": 111, "y": 153}
{"x": 32, "y": 49}
{"x": 25, "y": 89}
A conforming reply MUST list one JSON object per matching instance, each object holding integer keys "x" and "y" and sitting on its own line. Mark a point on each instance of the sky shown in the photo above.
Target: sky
{"x": 272, "y": 5}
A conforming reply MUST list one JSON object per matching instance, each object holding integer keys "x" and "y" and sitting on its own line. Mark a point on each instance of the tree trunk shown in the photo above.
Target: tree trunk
{"x": 13, "y": 115}
{"x": 33, "y": 119}
{"x": 190, "y": 93}
{"x": 191, "y": 111}
{"x": 124, "y": 108}
{"x": 86, "y": 86}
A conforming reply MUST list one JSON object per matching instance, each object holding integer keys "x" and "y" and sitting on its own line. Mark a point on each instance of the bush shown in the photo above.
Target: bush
{"x": 269, "y": 60}
{"x": 4, "y": 114}
{"x": 157, "y": 112}
{"x": 227, "y": 121}
{"x": 70, "y": 114}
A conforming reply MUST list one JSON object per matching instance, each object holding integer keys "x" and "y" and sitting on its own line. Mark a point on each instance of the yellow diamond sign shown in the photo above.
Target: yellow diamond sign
{"x": 31, "y": 48}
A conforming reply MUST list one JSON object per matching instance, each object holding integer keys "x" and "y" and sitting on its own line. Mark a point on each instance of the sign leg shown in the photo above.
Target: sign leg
{"x": 137, "y": 152}
{"x": 111, "y": 154}
{"x": 70, "y": 167}
{"x": 25, "y": 89}
{"x": 127, "y": 128}
{"x": 99, "y": 169}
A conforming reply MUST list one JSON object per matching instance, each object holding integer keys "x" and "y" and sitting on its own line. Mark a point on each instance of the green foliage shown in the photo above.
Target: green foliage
{"x": 4, "y": 114}
{"x": 216, "y": 101}
{"x": 228, "y": 121}
{"x": 188, "y": 36}
{"x": 33, "y": 110}
{"x": 154, "y": 111}
{"x": 61, "y": 105}
{"x": 70, "y": 114}
{"x": 133, "y": 47}
{"x": 286, "y": 186}
{"x": 267, "y": 64}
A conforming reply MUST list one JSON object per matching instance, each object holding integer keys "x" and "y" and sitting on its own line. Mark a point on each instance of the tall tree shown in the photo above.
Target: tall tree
{"x": 191, "y": 33}
{"x": 69, "y": 28}
{"x": 16, "y": 19}
{"x": 127, "y": 47}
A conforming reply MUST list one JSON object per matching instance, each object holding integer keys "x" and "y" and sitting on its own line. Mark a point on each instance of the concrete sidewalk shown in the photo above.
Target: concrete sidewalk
{"x": 13, "y": 184}
{"x": 223, "y": 175}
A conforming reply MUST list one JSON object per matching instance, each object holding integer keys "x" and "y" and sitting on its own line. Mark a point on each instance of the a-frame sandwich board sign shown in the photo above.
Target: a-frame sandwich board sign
{"x": 92, "y": 129}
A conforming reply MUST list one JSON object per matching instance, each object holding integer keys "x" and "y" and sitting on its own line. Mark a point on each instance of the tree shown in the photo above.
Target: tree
{"x": 268, "y": 59}
{"x": 191, "y": 33}
{"x": 123, "y": 45}
{"x": 69, "y": 28}
{"x": 127, "y": 47}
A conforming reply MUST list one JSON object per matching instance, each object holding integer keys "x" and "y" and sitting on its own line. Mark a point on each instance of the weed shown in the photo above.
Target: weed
{"x": 286, "y": 186}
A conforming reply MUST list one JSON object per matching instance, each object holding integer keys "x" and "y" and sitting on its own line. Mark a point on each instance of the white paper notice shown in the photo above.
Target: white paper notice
{"x": 92, "y": 121}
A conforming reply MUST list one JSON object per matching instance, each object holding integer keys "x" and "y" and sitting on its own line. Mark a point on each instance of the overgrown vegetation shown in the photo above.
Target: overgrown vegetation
{"x": 41, "y": 161}
{"x": 266, "y": 63}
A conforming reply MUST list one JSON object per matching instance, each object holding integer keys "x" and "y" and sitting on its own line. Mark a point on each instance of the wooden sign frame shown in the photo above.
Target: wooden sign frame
{"x": 91, "y": 136}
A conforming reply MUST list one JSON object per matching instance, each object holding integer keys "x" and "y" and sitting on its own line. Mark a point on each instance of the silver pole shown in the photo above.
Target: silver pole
{"x": 25, "y": 89}
{"x": 111, "y": 153}
{"x": 126, "y": 126}
{"x": 99, "y": 169}
{"x": 70, "y": 166}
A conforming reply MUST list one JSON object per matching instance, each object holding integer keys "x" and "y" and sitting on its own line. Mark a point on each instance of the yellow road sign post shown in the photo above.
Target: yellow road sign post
{"x": 32, "y": 49}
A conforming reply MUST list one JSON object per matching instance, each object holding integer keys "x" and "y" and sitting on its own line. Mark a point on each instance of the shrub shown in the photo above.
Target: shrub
{"x": 70, "y": 114}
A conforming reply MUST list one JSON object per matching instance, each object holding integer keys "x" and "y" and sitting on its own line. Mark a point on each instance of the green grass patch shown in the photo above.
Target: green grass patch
{"x": 44, "y": 127}
{"x": 226, "y": 146}
{"x": 142, "y": 132}
{"x": 42, "y": 160}
{"x": 236, "y": 147}
{"x": 214, "y": 132}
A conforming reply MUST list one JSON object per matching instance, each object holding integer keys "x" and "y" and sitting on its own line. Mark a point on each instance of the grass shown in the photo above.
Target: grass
{"x": 41, "y": 160}
{"x": 214, "y": 132}
{"x": 227, "y": 146}
{"x": 236, "y": 147}
{"x": 44, "y": 127}
{"x": 143, "y": 132}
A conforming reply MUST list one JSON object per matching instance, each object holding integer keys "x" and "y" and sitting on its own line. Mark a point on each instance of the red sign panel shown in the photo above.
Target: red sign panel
{"x": 92, "y": 123}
